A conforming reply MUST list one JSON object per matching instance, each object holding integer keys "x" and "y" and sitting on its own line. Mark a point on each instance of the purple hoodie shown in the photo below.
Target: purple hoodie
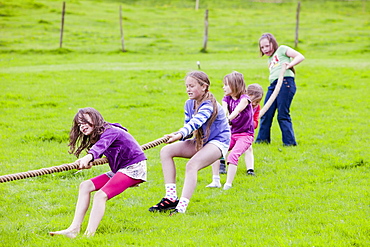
{"x": 120, "y": 147}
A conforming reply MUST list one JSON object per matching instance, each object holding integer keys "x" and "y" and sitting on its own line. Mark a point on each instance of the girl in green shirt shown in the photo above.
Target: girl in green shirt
{"x": 279, "y": 55}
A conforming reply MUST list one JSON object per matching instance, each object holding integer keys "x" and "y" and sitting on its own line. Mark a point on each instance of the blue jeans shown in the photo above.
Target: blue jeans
{"x": 282, "y": 105}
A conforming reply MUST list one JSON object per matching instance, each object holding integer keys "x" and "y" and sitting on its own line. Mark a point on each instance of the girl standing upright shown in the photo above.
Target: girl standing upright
{"x": 206, "y": 121}
{"x": 255, "y": 92}
{"x": 279, "y": 55}
{"x": 126, "y": 159}
{"x": 237, "y": 105}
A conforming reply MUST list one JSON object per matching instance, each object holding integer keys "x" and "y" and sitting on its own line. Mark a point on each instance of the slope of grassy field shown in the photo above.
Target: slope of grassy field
{"x": 315, "y": 194}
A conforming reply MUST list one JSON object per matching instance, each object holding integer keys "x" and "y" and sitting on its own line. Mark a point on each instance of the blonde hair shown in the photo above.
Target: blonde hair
{"x": 202, "y": 79}
{"x": 255, "y": 91}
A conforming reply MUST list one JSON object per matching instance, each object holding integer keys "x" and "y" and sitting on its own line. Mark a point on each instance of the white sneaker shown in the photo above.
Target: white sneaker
{"x": 227, "y": 186}
{"x": 214, "y": 185}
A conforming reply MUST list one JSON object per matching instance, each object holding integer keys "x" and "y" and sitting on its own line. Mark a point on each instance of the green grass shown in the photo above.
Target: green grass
{"x": 315, "y": 194}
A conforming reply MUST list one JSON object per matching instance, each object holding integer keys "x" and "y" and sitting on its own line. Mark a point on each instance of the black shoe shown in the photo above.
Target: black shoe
{"x": 222, "y": 167}
{"x": 250, "y": 172}
{"x": 163, "y": 205}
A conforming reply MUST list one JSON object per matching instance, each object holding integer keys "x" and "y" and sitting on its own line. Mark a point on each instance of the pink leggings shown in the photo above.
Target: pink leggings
{"x": 115, "y": 185}
{"x": 239, "y": 143}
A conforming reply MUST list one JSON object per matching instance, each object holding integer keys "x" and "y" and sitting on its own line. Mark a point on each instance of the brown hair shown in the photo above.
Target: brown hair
{"x": 235, "y": 80}
{"x": 77, "y": 140}
{"x": 271, "y": 39}
{"x": 255, "y": 91}
{"x": 202, "y": 79}
{"x": 274, "y": 43}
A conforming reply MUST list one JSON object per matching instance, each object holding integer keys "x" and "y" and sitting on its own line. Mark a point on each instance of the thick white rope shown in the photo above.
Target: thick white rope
{"x": 275, "y": 93}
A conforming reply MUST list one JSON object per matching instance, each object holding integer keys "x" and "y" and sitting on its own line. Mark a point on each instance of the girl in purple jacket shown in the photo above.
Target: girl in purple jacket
{"x": 126, "y": 159}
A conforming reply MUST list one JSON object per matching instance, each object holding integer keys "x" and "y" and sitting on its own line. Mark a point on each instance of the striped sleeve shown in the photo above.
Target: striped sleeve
{"x": 196, "y": 122}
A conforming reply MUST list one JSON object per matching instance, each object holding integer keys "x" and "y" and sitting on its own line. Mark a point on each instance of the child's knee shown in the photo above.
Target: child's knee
{"x": 165, "y": 151}
{"x": 233, "y": 158}
{"x": 87, "y": 186}
{"x": 100, "y": 195}
{"x": 191, "y": 167}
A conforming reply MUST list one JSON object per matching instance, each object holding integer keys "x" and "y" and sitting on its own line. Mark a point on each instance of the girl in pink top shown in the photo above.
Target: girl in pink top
{"x": 255, "y": 93}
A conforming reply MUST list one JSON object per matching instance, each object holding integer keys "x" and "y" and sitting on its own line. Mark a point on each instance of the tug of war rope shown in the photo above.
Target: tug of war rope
{"x": 101, "y": 161}
{"x": 71, "y": 166}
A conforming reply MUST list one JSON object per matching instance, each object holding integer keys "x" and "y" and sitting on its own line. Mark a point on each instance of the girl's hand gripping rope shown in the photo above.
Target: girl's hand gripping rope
{"x": 85, "y": 162}
{"x": 174, "y": 137}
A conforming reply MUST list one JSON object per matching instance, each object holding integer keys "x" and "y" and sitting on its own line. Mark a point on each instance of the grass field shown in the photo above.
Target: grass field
{"x": 315, "y": 194}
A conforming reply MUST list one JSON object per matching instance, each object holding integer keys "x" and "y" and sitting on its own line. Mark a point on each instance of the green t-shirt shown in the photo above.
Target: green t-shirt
{"x": 275, "y": 62}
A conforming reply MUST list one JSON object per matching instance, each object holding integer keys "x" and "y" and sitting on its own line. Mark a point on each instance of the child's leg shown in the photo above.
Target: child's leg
{"x": 249, "y": 161}
{"x": 215, "y": 175}
{"x": 231, "y": 171}
{"x": 116, "y": 185}
{"x": 203, "y": 158}
{"x": 82, "y": 205}
{"x": 243, "y": 142}
{"x": 249, "y": 158}
{"x": 216, "y": 167}
{"x": 185, "y": 149}
{"x": 223, "y": 166}
{"x": 284, "y": 100}
{"x": 97, "y": 212}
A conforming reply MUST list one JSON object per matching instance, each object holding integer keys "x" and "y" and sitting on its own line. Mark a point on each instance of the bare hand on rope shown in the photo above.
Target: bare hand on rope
{"x": 85, "y": 162}
{"x": 173, "y": 137}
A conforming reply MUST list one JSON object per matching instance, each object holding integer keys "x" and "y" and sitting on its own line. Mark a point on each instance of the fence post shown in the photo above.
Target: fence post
{"x": 196, "y": 4}
{"x": 204, "y": 49}
{"x": 62, "y": 26}
{"x": 120, "y": 22}
{"x": 297, "y": 24}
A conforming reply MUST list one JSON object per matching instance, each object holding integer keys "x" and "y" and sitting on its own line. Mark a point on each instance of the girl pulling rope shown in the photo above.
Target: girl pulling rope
{"x": 126, "y": 160}
{"x": 205, "y": 118}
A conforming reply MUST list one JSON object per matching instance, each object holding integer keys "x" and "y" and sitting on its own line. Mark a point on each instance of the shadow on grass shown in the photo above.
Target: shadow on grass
{"x": 356, "y": 164}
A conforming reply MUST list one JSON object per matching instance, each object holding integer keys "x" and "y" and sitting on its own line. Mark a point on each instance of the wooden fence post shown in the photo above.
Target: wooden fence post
{"x": 62, "y": 26}
{"x": 204, "y": 49}
{"x": 120, "y": 22}
{"x": 196, "y": 4}
{"x": 297, "y": 24}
